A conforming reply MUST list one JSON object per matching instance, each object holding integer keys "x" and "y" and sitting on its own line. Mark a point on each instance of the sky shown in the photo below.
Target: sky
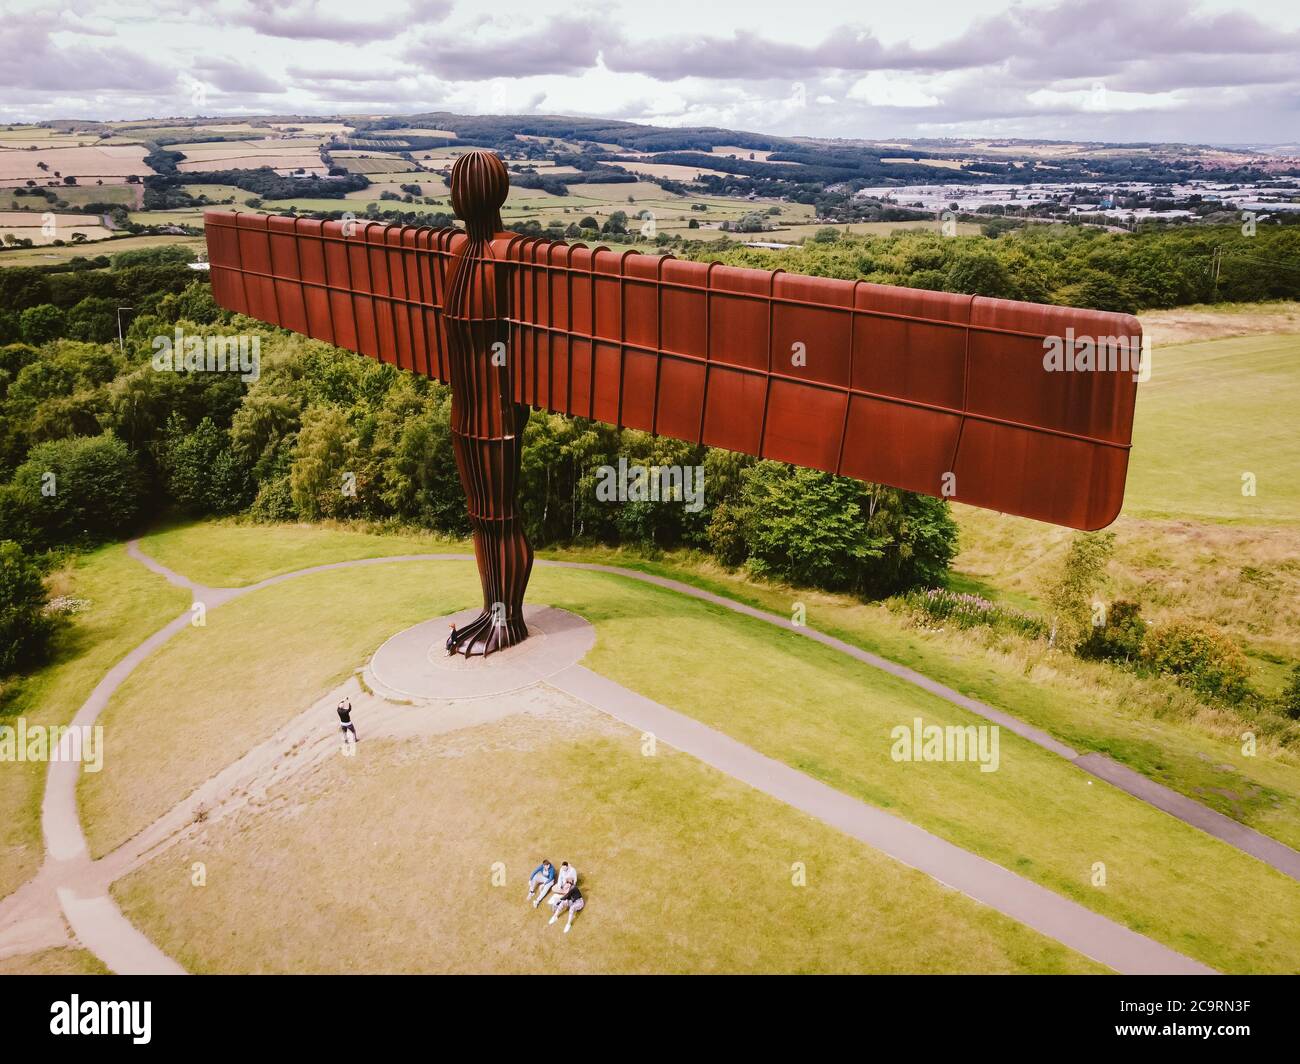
{"x": 1200, "y": 71}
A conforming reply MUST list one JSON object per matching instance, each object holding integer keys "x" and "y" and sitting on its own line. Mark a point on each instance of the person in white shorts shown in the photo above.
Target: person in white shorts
{"x": 572, "y": 900}
{"x": 568, "y": 878}
{"x": 542, "y": 879}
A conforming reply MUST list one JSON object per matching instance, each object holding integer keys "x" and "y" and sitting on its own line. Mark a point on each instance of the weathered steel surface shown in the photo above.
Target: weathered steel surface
{"x": 937, "y": 393}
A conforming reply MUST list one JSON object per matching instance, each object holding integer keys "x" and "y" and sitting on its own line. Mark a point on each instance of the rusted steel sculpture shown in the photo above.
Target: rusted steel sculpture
{"x": 944, "y": 394}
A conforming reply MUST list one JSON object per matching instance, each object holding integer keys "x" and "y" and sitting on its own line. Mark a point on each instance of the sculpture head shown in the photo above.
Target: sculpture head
{"x": 479, "y": 185}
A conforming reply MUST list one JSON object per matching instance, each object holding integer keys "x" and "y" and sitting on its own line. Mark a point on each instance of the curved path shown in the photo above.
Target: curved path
{"x": 76, "y": 886}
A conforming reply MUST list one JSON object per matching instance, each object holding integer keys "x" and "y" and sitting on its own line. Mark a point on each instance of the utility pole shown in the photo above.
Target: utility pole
{"x": 121, "y": 345}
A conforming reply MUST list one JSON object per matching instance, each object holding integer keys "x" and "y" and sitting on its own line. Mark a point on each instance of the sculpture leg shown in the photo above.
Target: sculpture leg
{"x": 489, "y": 471}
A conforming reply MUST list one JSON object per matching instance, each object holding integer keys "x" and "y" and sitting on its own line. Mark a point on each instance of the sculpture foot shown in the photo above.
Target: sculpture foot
{"x": 485, "y": 634}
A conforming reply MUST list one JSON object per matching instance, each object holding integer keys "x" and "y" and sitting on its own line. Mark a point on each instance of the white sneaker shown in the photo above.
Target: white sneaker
{"x": 566, "y": 928}
{"x": 552, "y": 919}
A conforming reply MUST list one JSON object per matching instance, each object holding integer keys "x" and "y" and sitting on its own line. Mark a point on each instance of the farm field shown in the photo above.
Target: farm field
{"x": 1215, "y": 433}
{"x": 671, "y": 171}
{"x": 285, "y": 155}
{"x": 111, "y": 164}
{"x": 24, "y": 137}
{"x": 75, "y": 196}
{"x": 45, "y": 256}
{"x": 44, "y": 227}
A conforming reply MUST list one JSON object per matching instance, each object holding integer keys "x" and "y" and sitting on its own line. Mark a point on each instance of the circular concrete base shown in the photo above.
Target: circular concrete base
{"x": 414, "y": 664}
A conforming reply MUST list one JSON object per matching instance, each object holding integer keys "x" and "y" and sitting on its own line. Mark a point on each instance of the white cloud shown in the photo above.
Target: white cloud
{"x": 888, "y": 89}
{"x": 1171, "y": 69}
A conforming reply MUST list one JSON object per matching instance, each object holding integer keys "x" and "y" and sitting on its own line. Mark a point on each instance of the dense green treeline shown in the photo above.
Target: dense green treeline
{"x": 1069, "y": 265}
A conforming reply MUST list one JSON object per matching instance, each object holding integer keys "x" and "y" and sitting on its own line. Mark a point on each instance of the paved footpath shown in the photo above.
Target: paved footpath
{"x": 1067, "y": 921}
{"x": 70, "y": 880}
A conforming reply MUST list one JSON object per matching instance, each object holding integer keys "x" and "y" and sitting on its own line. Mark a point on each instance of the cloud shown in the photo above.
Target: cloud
{"x": 311, "y": 20}
{"x": 30, "y": 60}
{"x": 230, "y": 76}
{"x": 1170, "y": 69}
{"x": 559, "y": 46}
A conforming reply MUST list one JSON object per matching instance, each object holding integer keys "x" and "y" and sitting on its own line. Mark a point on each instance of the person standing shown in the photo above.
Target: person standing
{"x": 346, "y": 727}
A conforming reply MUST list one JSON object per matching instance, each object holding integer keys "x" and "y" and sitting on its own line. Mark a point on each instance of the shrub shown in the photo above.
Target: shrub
{"x": 1199, "y": 657}
{"x": 1291, "y": 696}
{"x": 25, "y": 627}
{"x": 1067, "y": 594}
{"x": 274, "y": 501}
{"x": 964, "y": 610}
{"x": 1120, "y": 638}
{"x": 82, "y": 489}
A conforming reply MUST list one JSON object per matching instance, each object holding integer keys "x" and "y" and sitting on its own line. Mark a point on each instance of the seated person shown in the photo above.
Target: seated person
{"x": 572, "y": 900}
{"x": 542, "y": 879}
{"x": 568, "y": 878}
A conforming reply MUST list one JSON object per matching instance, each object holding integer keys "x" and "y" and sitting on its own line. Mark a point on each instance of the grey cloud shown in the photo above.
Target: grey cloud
{"x": 306, "y": 21}
{"x": 228, "y": 76}
{"x": 563, "y": 46}
{"x": 29, "y": 60}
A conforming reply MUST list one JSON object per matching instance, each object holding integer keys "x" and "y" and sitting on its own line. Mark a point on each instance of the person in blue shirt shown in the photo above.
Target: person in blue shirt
{"x": 542, "y": 879}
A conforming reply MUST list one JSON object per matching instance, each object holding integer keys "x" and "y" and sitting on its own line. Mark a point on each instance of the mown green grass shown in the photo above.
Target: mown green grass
{"x": 683, "y": 869}
{"x": 1090, "y": 707}
{"x": 232, "y": 554}
{"x": 127, "y": 605}
{"x": 1212, "y": 412}
{"x": 214, "y": 692}
{"x": 249, "y": 671}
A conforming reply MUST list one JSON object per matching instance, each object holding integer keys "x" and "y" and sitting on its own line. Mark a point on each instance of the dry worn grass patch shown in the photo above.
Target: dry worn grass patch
{"x": 384, "y": 863}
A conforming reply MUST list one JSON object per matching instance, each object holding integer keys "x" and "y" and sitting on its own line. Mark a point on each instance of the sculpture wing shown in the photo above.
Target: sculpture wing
{"x": 377, "y": 290}
{"x": 892, "y": 385}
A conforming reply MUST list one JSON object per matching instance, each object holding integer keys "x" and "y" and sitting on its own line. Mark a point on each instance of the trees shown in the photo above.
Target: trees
{"x": 1068, "y": 593}
{"x": 200, "y": 469}
{"x": 25, "y": 627}
{"x": 323, "y": 457}
{"x": 41, "y": 323}
{"x": 85, "y": 489}
{"x": 832, "y": 532}
{"x": 980, "y": 273}
{"x": 93, "y": 319}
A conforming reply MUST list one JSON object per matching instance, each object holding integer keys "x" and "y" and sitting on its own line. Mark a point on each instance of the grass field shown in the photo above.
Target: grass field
{"x": 127, "y": 605}
{"x": 47, "y": 255}
{"x": 1154, "y": 727}
{"x": 75, "y": 196}
{"x": 109, "y": 163}
{"x": 32, "y": 225}
{"x": 332, "y": 891}
{"x": 1212, "y": 413}
{"x": 810, "y": 707}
